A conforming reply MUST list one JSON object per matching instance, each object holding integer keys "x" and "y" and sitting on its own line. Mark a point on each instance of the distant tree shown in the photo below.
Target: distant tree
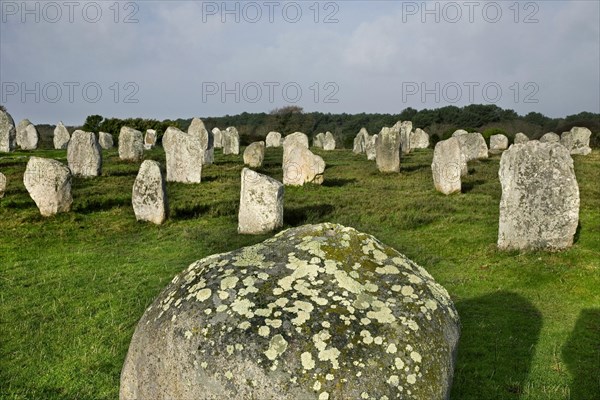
{"x": 92, "y": 123}
{"x": 288, "y": 110}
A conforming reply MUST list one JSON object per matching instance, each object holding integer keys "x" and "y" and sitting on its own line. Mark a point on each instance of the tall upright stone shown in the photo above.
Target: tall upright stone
{"x": 84, "y": 154}
{"x": 404, "y": 128}
{"x": 550, "y": 137}
{"x": 446, "y": 166}
{"x": 473, "y": 146}
{"x": 388, "y": 150}
{"x": 150, "y": 139}
{"x": 217, "y": 138}
{"x": 296, "y": 138}
{"x": 48, "y": 182}
{"x": 521, "y": 138}
{"x": 318, "y": 140}
{"x": 261, "y": 203}
{"x": 328, "y": 141}
{"x": 184, "y": 156}
{"x": 300, "y": 165}
{"x": 8, "y": 132}
{"x": 105, "y": 140}
{"x": 131, "y": 144}
{"x": 498, "y": 143}
{"x": 273, "y": 139}
{"x": 2, "y": 184}
{"x": 577, "y": 140}
{"x": 206, "y": 139}
{"x": 360, "y": 141}
{"x": 254, "y": 154}
{"x": 539, "y": 207}
{"x": 371, "y": 148}
{"x": 419, "y": 139}
{"x": 61, "y": 137}
{"x": 27, "y": 135}
{"x": 149, "y": 196}
{"x": 231, "y": 141}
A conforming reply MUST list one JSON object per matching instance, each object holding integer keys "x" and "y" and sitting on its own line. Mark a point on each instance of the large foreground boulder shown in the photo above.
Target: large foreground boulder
{"x": 261, "y": 203}
{"x": 27, "y": 135}
{"x": 49, "y": 185}
{"x": 61, "y": 137}
{"x": 387, "y": 149}
{"x": 84, "y": 154}
{"x": 131, "y": 144}
{"x": 316, "y": 312}
{"x": 539, "y": 208}
{"x": 8, "y": 132}
{"x": 577, "y": 140}
{"x": 184, "y": 156}
{"x": 149, "y": 195}
{"x": 446, "y": 166}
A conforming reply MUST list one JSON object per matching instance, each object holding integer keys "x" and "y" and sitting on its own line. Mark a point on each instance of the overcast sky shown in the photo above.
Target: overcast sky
{"x": 178, "y": 59}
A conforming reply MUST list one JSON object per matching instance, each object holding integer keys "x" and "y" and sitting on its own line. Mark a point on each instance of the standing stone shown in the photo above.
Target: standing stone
{"x": 521, "y": 138}
{"x": 84, "y": 154}
{"x": 498, "y": 143}
{"x": 150, "y": 139}
{"x": 49, "y": 185}
{"x": 405, "y": 129}
{"x": 149, "y": 196}
{"x": 473, "y": 146}
{"x": 539, "y": 208}
{"x": 388, "y": 150}
{"x": 577, "y": 140}
{"x": 419, "y": 139}
{"x": 27, "y": 135}
{"x": 550, "y": 137}
{"x": 360, "y": 141}
{"x": 318, "y": 140}
{"x": 261, "y": 203}
{"x": 328, "y": 141}
{"x": 217, "y": 138}
{"x": 296, "y": 138}
{"x": 446, "y": 166}
{"x": 2, "y": 184}
{"x": 278, "y": 327}
{"x": 231, "y": 141}
{"x": 371, "y": 148}
{"x": 254, "y": 154}
{"x": 105, "y": 140}
{"x": 61, "y": 137}
{"x": 300, "y": 165}
{"x": 206, "y": 139}
{"x": 184, "y": 156}
{"x": 459, "y": 132}
{"x": 8, "y": 132}
{"x": 273, "y": 139}
{"x": 131, "y": 144}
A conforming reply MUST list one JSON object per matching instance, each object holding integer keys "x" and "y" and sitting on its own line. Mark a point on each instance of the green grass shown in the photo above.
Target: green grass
{"x": 72, "y": 287}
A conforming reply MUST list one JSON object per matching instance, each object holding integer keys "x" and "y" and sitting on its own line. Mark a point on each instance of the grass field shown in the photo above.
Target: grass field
{"x": 72, "y": 287}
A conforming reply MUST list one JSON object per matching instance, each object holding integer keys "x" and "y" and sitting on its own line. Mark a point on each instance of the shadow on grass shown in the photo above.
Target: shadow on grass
{"x": 498, "y": 339}
{"x": 306, "y": 215}
{"x": 120, "y": 172}
{"x": 468, "y": 186}
{"x": 581, "y": 353}
{"x": 188, "y": 211}
{"x": 413, "y": 168}
{"x": 338, "y": 182}
{"x": 98, "y": 203}
{"x": 577, "y": 233}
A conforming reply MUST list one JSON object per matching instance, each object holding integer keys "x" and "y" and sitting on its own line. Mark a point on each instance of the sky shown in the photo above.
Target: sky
{"x": 65, "y": 60}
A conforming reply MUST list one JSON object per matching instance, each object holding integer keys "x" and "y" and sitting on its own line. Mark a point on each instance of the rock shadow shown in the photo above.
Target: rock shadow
{"x": 337, "y": 182}
{"x": 97, "y": 203}
{"x": 306, "y": 215}
{"x": 498, "y": 338}
{"x": 466, "y": 187}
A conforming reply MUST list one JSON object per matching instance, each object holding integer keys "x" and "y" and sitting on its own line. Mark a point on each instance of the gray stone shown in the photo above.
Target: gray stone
{"x": 261, "y": 203}
{"x": 254, "y": 154}
{"x": 149, "y": 196}
{"x": 447, "y": 166}
{"x": 405, "y": 129}
{"x": 184, "y": 156}
{"x": 105, "y": 140}
{"x": 521, "y": 138}
{"x": 84, "y": 154}
{"x": 300, "y": 165}
{"x": 2, "y": 184}
{"x": 498, "y": 143}
{"x": 8, "y": 132}
{"x": 206, "y": 139}
{"x": 318, "y": 140}
{"x": 27, "y": 135}
{"x": 328, "y": 141}
{"x": 296, "y": 138}
{"x": 370, "y": 148}
{"x": 217, "y": 138}
{"x": 473, "y": 146}
{"x": 387, "y": 148}
{"x": 316, "y": 312}
{"x": 150, "y": 139}
{"x": 273, "y": 139}
{"x": 231, "y": 141}
{"x": 360, "y": 141}
{"x": 61, "y": 137}
{"x": 539, "y": 208}
{"x": 48, "y": 182}
{"x": 550, "y": 137}
{"x": 459, "y": 132}
{"x": 131, "y": 144}
{"x": 419, "y": 139}
{"x": 577, "y": 140}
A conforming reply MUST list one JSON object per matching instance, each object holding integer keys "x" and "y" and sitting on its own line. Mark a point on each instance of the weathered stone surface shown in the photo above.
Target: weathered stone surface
{"x": 49, "y": 185}
{"x": 473, "y": 146}
{"x": 419, "y": 139}
{"x": 295, "y": 138}
{"x": 550, "y": 137}
{"x": 318, "y": 140}
{"x": 577, "y": 140}
{"x": 206, "y": 139}
{"x": 387, "y": 148}
{"x": 231, "y": 141}
{"x": 27, "y": 135}
{"x": 105, "y": 140}
{"x": 150, "y": 139}
{"x": 371, "y": 148}
{"x": 2, "y": 184}
{"x": 61, "y": 137}
{"x": 360, "y": 141}
{"x": 328, "y": 141}
{"x": 521, "y": 138}
{"x": 498, "y": 143}
{"x": 84, "y": 154}
{"x": 8, "y": 132}
{"x": 261, "y": 203}
{"x": 217, "y": 138}
{"x": 447, "y": 166}
{"x": 254, "y": 154}
{"x": 316, "y": 312}
{"x": 273, "y": 139}
{"x": 300, "y": 165}
{"x": 539, "y": 208}
{"x": 184, "y": 156}
{"x": 405, "y": 129}
{"x": 459, "y": 132}
{"x": 149, "y": 196}
{"x": 131, "y": 144}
